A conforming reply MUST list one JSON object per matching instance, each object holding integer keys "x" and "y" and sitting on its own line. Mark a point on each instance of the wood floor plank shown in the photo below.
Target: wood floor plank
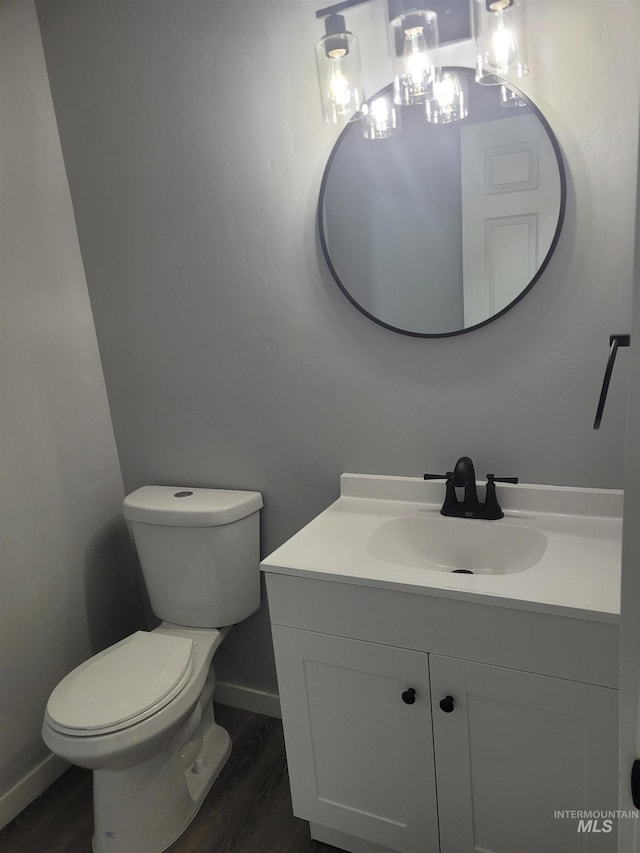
{"x": 59, "y": 821}
{"x": 248, "y": 809}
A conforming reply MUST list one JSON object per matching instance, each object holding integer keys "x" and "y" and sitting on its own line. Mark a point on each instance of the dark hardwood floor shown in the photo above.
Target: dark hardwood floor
{"x": 248, "y": 809}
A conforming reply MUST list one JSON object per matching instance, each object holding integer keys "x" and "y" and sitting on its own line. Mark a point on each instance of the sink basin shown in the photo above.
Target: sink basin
{"x": 457, "y": 545}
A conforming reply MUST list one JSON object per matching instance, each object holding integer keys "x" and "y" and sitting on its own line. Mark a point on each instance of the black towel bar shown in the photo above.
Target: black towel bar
{"x": 615, "y": 341}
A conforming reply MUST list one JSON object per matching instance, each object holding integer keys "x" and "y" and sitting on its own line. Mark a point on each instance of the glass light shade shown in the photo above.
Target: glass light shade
{"x": 381, "y": 118}
{"x": 414, "y": 37}
{"x": 450, "y": 98}
{"x": 500, "y": 40}
{"x": 338, "y": 64}
{"x": 510, "y": 99}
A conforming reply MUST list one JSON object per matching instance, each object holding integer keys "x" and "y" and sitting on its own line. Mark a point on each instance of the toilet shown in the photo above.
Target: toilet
{"x": 140, "y": 713}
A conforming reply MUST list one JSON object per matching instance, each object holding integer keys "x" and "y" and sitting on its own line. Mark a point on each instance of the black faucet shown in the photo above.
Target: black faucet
{"x": 463, "y": 476}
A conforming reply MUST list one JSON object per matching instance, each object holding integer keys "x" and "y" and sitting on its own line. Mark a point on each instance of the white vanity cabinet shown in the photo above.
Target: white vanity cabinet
{"x": 360, "y": 758}
{"x": 516, "y": 748}
{"x": 527, "y": 726}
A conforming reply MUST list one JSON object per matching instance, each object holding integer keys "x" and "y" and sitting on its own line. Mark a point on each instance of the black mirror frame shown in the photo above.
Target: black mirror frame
{"x": 561, "y": 214}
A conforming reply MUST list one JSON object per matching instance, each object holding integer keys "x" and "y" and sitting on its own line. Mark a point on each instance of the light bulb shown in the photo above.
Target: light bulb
{"x": 445, "y": 91}
{"x": 416, "y": 59}
{"x": 449, "y": 99}
{"x": 414, "y": 36}
{"x": 339, "y": 92}
{"x": 503, "y": 45}
{"x": 380, "y": 118}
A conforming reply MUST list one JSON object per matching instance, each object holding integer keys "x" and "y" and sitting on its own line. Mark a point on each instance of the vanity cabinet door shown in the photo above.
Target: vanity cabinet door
{"x": 512, "y": 749}
{"x": 357, "y": 726}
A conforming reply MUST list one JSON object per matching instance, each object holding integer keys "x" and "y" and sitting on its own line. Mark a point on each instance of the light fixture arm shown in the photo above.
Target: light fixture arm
{"x": 339, "y": 7}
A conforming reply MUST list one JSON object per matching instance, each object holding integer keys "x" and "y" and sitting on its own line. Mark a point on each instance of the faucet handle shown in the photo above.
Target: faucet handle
{"x": 446, "y": 476}
{"x": 492, "y": 509}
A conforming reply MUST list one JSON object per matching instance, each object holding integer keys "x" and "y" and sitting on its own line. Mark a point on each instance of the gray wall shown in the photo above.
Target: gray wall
{"x": 67, "y": 582}
{"x": 194, "y": 145}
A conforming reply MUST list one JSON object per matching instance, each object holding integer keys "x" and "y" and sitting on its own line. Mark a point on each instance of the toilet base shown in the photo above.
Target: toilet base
{"x": 145, "y": 808}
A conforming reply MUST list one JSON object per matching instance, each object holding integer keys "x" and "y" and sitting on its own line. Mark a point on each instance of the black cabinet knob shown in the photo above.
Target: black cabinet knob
{"x": 409, "y": 696}
{"x": 446, "y": 704}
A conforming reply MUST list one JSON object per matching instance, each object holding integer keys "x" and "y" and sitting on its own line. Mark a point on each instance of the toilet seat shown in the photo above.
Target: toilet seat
{"x": 122, "y": 685}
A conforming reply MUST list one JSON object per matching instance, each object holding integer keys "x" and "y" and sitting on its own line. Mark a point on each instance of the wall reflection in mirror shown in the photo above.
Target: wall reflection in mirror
{"x": 441, "y": 226}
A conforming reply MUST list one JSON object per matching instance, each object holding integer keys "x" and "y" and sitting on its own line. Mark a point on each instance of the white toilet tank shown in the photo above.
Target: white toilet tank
{"x": 200, "y": 552}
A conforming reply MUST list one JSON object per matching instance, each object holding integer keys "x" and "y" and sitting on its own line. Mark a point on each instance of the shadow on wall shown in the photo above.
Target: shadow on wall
{"x": 116, "y": 600}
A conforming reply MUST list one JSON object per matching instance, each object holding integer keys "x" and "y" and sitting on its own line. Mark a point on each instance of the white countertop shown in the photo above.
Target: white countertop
{"x": 578, "y": 574}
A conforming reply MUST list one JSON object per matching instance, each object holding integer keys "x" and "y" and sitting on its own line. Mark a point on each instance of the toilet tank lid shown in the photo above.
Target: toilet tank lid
{"x": 189, "y": 507}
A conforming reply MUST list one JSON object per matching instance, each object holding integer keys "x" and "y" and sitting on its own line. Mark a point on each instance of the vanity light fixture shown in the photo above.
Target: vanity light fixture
{"x": 417, "y": 79}
{"x": 414, "y": 38}
{"x": 500, "y": 40}
{"x": 338, "y": 63}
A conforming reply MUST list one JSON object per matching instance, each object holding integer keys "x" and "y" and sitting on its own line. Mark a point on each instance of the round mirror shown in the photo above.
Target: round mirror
{"x": 445, "y": 225}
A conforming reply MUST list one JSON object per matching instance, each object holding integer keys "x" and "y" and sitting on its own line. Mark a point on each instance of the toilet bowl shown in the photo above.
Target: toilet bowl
{"x": 140, "y": 713}
{"x": 85, "y": 731}
{"x": 167, "y": 752}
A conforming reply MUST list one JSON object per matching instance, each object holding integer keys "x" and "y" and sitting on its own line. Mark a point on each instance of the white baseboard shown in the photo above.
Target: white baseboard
{"x": 29, "y": 787}
{"x": 238, "y": 696}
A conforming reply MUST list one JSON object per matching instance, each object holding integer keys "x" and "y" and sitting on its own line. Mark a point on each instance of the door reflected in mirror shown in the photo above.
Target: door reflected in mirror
{"x": 441, "y": 228}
